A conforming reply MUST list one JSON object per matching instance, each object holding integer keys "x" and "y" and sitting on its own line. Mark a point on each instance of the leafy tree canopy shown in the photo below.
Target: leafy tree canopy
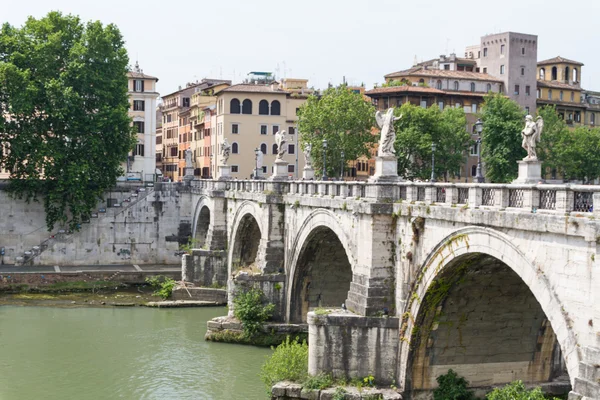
{"x": 63, "y": 95}
{"x": 418, "y": 129}
{"x": 344, "y": 119}
{"x": 501, "y": 138}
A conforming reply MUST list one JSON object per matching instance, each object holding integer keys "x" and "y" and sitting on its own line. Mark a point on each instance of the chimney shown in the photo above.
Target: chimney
{"x": 274, "y": 85}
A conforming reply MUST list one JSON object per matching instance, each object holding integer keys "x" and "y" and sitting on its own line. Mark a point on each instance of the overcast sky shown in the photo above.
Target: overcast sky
{"x": 323, "y": 40}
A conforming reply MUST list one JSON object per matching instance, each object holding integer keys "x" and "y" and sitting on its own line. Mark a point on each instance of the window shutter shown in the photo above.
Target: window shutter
{"x": 142, "y": 85}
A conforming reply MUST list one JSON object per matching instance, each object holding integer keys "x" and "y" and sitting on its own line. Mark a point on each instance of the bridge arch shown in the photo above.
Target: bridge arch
{"x": 319, "y": 267}
{"x": 203, "y": 219}
{"x": 477, "y": 293}
{"x": 247, "y": 236}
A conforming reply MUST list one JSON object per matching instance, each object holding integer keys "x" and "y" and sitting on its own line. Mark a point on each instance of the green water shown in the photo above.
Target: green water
{"x": 121, "y": 353}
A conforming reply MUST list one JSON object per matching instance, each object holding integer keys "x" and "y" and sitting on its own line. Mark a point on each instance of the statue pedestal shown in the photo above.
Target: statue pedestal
{"x": 280, "y": 172}
{"x": 308, "y": 173}
{"x": 224, "y": 172}
{"x": 386, "y": 169}
{"x": 530, "y": 171}
{"x": 188, "y": 174}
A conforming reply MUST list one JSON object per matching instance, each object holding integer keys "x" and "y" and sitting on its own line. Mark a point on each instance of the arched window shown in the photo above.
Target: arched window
{"x": 274, "y": 148}
{"x": 575, "y": 76}
{"x": 247, "y": 106}
{"x": 472, "y": 86}
{"x": 560, "y": 95}
{"x": 488, "y": 87}
{"x": 438, "y": 84}
{"x": 455, "y": 85}
{"x": 554, "y": 73}
{"x": 592, "y": 119}
{"x": 234, "y": 148}
{"x": 263, "y": 148}
{"x": 421, "y": 81}
{"x": 263, "y": 107}
{"x": 567, "y": 74}
{"x": 275, "y": 107}
{"x": 542, "y": 73}
{"x": 234, "y": 106}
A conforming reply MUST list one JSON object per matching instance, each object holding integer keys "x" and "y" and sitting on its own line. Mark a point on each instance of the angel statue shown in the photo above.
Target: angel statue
{"x": 307, "y": 157}
{"x": 388, "y": 135}
{"x": 225, "y": 151}
{"x": 531, "y": 135}
{"x": 280, "y": 141}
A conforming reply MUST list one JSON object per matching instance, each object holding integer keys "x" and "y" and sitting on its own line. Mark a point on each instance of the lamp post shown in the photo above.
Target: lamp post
{"x": 256, "y": 151}
{"x": 342, "y": 167}
{"x": 324, "y": 177}
{"x": 432, "y": 163}
{"x": 479, "y": 128}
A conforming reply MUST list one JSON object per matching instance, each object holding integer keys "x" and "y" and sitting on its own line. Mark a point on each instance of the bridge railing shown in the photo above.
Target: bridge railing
{"x": 537, "y": 197}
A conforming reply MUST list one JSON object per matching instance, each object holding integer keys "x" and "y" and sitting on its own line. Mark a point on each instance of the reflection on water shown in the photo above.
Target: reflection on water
{"x": 133, "y": 353}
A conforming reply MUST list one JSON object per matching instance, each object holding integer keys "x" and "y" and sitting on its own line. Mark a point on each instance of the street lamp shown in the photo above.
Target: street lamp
{"x": 432, "y": 163}
{"x": 324, "y": 177}
{"x": 342, "y": 167}
{"x": 256, "y": 152}
{"x": 479, "y": 128}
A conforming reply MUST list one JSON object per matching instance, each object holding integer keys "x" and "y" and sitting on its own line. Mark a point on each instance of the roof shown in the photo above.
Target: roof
{"x": 557, "y": 60}
{"x": 403, "y": 89}
{"x": 562, "y": 103}
{"x": 442, "y": 73}
{"x": 557, "y": 85}
{"x": 247, "y": 88}
{"x": 140, "y": 75}
{"x": 204, "y": 84}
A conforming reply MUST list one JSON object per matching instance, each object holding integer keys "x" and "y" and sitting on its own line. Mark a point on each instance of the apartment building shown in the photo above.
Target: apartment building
{"x": 248, "y": 115}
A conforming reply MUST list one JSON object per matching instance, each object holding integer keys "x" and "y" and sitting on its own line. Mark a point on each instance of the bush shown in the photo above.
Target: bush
{"x": 163, "y": 286}
{"x": 249, "y": 309}
{"x": 289, "y": 362}
{"x": 516, "y": 391}
{"x": 452, "y": 387}
{"x": 320, "y": 381}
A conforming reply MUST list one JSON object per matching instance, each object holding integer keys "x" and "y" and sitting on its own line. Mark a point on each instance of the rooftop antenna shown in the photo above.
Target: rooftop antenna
{"x": 284, "y": 70}
{"x": 415, "y": 61}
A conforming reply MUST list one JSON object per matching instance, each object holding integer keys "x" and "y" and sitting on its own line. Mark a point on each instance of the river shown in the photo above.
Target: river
{"x": 121, "y": 353}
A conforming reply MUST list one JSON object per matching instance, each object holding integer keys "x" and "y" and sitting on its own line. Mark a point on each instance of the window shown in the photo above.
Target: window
{"x": 457, "y": 105}
{"x": 421, "y": 81}
{"x": 485, "y": 51}
{"x": 575, "y": 75}
{"x": 560, "y": 95}
{"x": 577, "y": 116}
{"x": 516, "y": 89}
{"x": 264, "y": 169}
{"x": 235, "y": 168}
{"x": 501, "y": 88}
{"x": 554, "y": 73}
{"x": 527, "y": 110}
{"x": 423, "y": 103}
{"x": 139, "y": 126}
{"x": 528, "y": 90}
{"x": 455, "y": 85}
{"x": 186, "y": 101}
{"x": 235, "y": 129}
{"x": 291, "y": 168}
{"x": 542, "y": 73}
{"x": 592, "y": 119}
{"x": 275, "y": 108}
{"x": 247, "y": 107}
{"x": 567, "y": 75}
{"x": 139, "y": 105}
{"x": 438, "y": 84}
{"x": 173, "y": 151}
{"x": 263, "y": 107}
{"x": 488, "y": 87}
{"x": 472, "y": 86}
{"x": 474, "y": 149}
{"x": 479, "y": 54}
{"x": 446, "y": 67}
{"x": 291, "y": 130}
{"x": 234, "y": 106}
{"x": 485, "y": 70}
{"x": 502, "y": 69}
{"x": 274, "y": 148}
{"x": 169, "y": 117}
{"x": 291, "y": 148}
{"x": 263, "y": 148}
{"x": 522, "y": 51}
{"x": 441, "y": 105}
{"x": 572, "y": 96}
{"x": 502, "y": 48}
{"x": 474, "y": 108}
{"x": 549, "y": 94}
{"x": 473, "y": 170}
{"x": 275, "y": 129}
{"x": 235, "y": 148}
{"x": 297, "y": 110}
{"x": 537, "y": 93}
{"x": 139, "y": 150}
{"x": 138, "y": 85}
{"x": 522, "y": 71}
{"x": 264, "y": 129}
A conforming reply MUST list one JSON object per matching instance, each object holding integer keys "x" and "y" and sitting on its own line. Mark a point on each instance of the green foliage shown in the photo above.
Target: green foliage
{"x": 163, "y": 286}
{"x": 250, "y": 310}
{"x": 418, "y": 129}
{"x": 452, "y": 387}
{"x": 369, "y": 381}
{"x": 393, "y": 83}
{"x": 516, "y": 391}
{"x": 319, "y": 381}
{"x": 288, "y": 362}
{"x": 340, "y": 394}
{"x": 63, "y": 87}
{"x": 342, "y": 117}
{"x": 501, "y": 138}
{"x": 189, "y": 246}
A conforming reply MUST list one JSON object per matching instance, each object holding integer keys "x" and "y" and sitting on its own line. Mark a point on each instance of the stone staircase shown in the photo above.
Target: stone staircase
{"x": 136, "y": 195}
{"x": 587, "y": 384}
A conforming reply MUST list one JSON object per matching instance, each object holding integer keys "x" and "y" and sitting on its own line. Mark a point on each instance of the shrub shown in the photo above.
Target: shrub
{"x": 340, "y": 394}
{"x": 516, "y": 391}
{"x": 320, "y": 381}
{"x": 249, "y": 309}
{"x": 163, "y": 286}
{"x": 289, "y": 362}
{"x": 452, "y": 387}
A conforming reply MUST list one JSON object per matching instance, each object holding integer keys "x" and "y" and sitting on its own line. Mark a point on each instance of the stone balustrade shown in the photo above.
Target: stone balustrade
{"x": 540, "y": 198}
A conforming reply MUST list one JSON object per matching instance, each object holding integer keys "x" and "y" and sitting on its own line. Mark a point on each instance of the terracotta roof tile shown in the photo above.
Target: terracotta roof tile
{"x": 140, "y": 75}
{"x": 562, "y": 103}
{"x": 404, "y": 89}
{"x": 442, "y": 73}
{"x": 557, "y": 60}
{"x": 246, "y": 88}
{"x": 557, "y": 85}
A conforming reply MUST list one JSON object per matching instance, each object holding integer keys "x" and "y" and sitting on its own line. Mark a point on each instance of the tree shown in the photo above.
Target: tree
{"x": 578, "y": 154}
{"x": 501, "y": 138}
{"x": 63, "y": 95}
{"x": 554, "y": 130}
{"x": 344, "y": 119}
{"x": 418, "y": 129}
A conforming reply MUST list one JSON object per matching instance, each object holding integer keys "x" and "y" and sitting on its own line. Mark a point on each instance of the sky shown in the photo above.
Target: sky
{"x": 322, "y": 40}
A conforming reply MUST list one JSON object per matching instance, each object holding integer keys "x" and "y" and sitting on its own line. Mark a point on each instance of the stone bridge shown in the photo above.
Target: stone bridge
{"x": 497, "y": 282}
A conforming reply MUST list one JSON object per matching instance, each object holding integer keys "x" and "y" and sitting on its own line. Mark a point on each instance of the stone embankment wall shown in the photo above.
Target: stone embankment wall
{"x": 292, "y": 391}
